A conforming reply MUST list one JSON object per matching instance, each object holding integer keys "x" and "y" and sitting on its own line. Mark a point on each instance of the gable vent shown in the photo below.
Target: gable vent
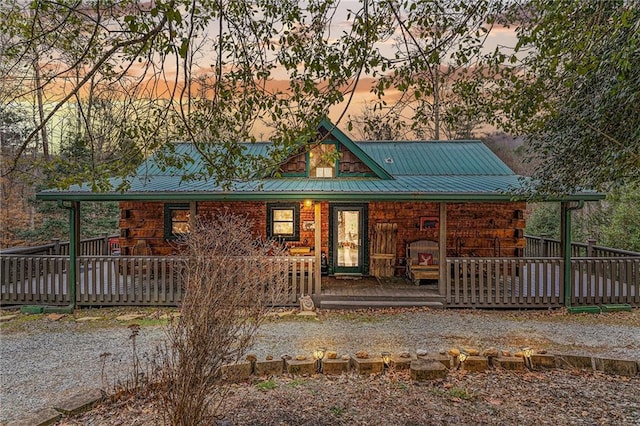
{"x": 388, "y": 160}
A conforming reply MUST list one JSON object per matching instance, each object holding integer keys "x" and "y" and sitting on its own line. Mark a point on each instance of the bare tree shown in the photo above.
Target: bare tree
{"x": 436, "y": 42}
{"x": 230, "y": 282}
{"x": 379, "y": 125}
{"x": 164, "y": 51}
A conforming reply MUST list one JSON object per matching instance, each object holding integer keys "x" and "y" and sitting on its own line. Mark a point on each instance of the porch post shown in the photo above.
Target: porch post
{"x": 193, "y": 211}
{"x": 565, "y": 244}
{"x": 74, "y": 245}
{"x": 317, "y": 244}
{"x": 565, "y": 247}
{"x": 76, "y": 225}
{"x": 442, "y": 245}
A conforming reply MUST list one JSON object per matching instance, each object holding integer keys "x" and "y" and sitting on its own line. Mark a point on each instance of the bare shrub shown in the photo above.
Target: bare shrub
{"x": 230, "y": 281}
{"x": 134, "y": 380}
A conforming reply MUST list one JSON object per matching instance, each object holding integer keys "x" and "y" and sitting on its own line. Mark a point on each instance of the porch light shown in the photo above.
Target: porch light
{"x": 318, "y": 354}
{"x": 308, "y": 203}
{"x": 462, "y": 358}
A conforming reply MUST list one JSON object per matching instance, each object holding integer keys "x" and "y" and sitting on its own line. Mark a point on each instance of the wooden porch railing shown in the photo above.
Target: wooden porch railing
{"x": 124, "y": 280}
{"x": 471, "y": 282}
{"x": 504, "y": 282}
{"x": 33, "y": 279}
{"x": 539, "y": 282}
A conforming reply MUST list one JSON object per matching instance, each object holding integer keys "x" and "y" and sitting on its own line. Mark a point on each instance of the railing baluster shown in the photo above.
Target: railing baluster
{"x": 521, "y": 275}
{"x": 505, "y": 281}
{"x": 465, "y": 296}
{"x": 482, "y": 268}
{"x": 472, "y": 279}
{"x": 456, "y": 292}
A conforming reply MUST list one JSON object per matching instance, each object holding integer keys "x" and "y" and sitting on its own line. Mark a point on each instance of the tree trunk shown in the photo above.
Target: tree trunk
{"x": 43, "y": 131}
{"x": 436, "y": 103}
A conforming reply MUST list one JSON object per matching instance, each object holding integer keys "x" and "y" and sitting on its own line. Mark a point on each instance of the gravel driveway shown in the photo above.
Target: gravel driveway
{"x": 47, "y": 361}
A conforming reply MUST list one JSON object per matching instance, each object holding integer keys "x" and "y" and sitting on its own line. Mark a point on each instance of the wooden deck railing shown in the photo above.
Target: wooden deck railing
{"x": 124, "y": 280}
{"x": 610, "y": 280}
{"x": 539, "y": 282}
{"x": 33, "y": 279}
{"x": 97, "y": 246}
{"x": 549, "y": 247}
{"x": 471, "y": 282}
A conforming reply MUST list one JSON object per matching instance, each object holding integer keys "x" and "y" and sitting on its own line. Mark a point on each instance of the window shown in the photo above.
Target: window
{"x": 176, "y": 220}
{"x": 322, "y": 161}
{"x": 283, "y": 221}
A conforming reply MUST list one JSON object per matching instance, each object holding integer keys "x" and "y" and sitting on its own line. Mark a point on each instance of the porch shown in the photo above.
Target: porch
{"x": 601, "y": 276}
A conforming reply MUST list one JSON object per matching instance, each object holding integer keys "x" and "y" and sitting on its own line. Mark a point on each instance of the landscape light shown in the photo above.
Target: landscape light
{"x": 526, "y": 353}
{"x": 318, "y": 354}
{"x": 386, "y": 359}
{"x": 462, "y": 358}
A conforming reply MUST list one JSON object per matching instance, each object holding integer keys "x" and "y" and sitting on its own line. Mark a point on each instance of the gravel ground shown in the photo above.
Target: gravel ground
{"x": 43, "y": 361}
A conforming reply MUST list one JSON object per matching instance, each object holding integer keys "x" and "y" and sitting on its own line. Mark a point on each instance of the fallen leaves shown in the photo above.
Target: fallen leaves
{"x": 496, "y": 397}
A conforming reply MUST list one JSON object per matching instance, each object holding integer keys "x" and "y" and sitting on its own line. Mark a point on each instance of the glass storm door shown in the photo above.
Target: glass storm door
{"x": 348, "y": 238}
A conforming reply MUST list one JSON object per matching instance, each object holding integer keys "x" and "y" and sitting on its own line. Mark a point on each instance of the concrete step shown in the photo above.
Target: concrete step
{"x": 348, "y": 276}
{"x": 417, "y": 298}
{"x": 361, "y": 304}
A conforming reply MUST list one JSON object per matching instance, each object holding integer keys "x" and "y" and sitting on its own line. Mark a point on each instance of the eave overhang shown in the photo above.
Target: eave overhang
{"x": 286, "y": 196}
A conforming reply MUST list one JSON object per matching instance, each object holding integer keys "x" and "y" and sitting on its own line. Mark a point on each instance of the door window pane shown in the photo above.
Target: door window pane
{"x": 348, "y": 238}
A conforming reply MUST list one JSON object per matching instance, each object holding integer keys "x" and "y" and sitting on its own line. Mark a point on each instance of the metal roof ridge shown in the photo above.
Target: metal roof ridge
{"x": 458, "y": 174}
{"x": 422, "y": 141}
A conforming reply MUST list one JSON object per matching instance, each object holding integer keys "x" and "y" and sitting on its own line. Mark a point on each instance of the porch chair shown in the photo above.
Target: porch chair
{"x": 423, "y": 261}
{"x": 142, "y": 248}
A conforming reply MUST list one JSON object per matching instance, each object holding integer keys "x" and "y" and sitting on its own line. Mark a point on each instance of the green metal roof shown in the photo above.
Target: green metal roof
{"x": 150, "y": 167}
{"x": 424, "y": 188}
{"x": 432, "y": 158}
{"x": 436, "y": 158}
{"x": 425, "y": 170}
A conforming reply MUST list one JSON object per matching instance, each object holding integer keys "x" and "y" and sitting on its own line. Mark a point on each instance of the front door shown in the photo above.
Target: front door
{"x": 348, "y": 238}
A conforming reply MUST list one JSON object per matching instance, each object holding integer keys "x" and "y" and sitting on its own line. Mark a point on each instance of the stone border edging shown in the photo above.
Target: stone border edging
{"x": 424, "y": 367}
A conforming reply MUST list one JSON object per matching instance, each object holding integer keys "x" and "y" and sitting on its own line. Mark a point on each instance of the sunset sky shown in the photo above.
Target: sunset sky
{"x": 363, "y": 96}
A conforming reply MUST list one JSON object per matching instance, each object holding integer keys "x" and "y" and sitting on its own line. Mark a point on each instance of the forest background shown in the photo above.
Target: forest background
{"x": 88, "y": 89}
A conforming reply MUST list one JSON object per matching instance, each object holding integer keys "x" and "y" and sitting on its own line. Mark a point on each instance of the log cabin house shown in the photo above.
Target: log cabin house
{"x": 373, "y": 202}
{"x": 383, "y": 209}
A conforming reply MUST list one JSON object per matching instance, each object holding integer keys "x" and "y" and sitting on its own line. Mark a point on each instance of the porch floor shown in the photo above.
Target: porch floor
{"x": 372, "y": 292}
